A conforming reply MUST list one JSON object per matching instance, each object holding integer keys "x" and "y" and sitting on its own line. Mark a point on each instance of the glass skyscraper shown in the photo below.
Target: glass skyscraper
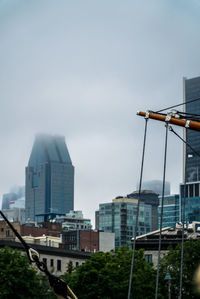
{"x": 191, "y": 91}
{"x": 192, "y": 201}
{"x": 119, "y": 217}
{"x": 171, "y": 210}
{"x": 49, "y": 179}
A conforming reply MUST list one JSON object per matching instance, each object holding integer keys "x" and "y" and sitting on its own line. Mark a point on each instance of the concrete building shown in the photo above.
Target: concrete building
{"x": 150, "y": 198}
{"x": 88, "y": 241}
{"x": 49, "y": 179}
{"x": 42, "y": 240}
{"x": 74, "y": 220}
{"x": 119, "y": 217}
{"x": 6, "y": 232}
{"x": 171, "y": 210}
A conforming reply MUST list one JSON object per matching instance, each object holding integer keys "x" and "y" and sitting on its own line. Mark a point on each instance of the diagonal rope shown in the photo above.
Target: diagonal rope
{"x": 174, "y": 106}
{"x": 161, "y": 217}
{"x": 137, "y": 214}
{"x": 184, "y": 141}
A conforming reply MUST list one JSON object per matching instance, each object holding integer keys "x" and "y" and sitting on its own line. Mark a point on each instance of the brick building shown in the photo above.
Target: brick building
{"x": 48, "y": 229}
{"x": 6, "y": 232}
{"x": 88, "y": 241}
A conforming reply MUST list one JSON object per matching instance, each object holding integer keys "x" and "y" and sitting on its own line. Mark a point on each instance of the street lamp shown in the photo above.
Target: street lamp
{"x": 168, "y": 278}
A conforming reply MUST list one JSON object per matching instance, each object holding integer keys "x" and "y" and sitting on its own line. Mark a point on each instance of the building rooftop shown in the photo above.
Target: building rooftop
{"x": 125, "y": 199}
{"x": 48, "y": 148}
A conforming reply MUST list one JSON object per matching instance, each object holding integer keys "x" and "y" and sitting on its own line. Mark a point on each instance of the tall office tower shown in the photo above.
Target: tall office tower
{"x": 191, "y": 91}
{"x": 49, "y": 179}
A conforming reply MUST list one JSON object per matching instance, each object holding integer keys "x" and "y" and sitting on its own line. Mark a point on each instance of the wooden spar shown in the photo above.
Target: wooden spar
{"x": 189, "y": 124}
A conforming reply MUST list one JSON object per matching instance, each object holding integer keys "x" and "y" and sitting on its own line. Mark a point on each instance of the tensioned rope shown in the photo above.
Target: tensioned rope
{"x": 181, "y": 104}
{"x": 161, "y": 216}
{"x": 61, "y": 289}
{"x": 137, "y": 213}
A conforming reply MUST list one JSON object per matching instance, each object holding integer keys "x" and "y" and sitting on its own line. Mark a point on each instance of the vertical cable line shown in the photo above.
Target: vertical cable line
{"x": 182, "y": 237}
{"x": 137, "y": 213}
{"x": 161, "y": 217}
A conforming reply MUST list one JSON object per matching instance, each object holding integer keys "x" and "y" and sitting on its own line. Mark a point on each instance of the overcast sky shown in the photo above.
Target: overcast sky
{"x": 82, "y": 69}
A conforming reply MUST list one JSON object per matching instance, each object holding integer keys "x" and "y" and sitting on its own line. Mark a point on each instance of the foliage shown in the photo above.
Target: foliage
{"x": 106, "y": 275}
{"x": 70, "y": 267}
{"x": 18, "y": 279}
{"x": 171, "y": 263}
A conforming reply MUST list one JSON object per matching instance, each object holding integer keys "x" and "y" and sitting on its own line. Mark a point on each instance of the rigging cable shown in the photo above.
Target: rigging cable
{"x": 161, "y": 217}
{"x": 138, "y": 206}
{"x": 182, "y": 238}
{"x": 174, "y": 106}
{"x": 61, "y": 289}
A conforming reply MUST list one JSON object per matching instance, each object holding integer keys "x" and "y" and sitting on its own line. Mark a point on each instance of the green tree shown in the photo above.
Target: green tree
{"x": 171, "y": 262}
{"x": 106, "y": 275}
{"x": 70, "y": 267}
{"x": 18, "y": 279}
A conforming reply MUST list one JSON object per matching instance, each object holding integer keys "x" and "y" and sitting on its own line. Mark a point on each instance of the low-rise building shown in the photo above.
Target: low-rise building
{"x": 6, "y": 232}
{"x": 29, "y": 229}
{"x": 44, "y": 228}
{"x": 42, "y": 240}
{"x": 56, "y": 259}
{"x": 74, "y": 220}
{"x": 171, "y": 236}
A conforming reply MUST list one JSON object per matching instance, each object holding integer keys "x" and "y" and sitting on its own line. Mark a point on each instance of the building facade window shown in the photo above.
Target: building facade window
{"x": 58, "y": 265}
{"x": 51, "y": 262}
{"x": 148, "y": 258}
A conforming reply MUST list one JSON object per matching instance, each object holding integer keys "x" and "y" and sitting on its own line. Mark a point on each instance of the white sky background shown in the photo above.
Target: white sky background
{"x": 82, "y": 69}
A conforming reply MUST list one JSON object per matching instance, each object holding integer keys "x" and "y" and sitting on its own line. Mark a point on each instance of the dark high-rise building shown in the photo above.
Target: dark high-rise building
{"x": 150, "y": 198}
{"x": 49, "y": 179}
{"x": 191, "y": 91}
{"x": 155, "y": 186}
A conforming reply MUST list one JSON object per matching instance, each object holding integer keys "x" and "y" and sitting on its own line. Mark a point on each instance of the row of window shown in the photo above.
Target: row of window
{"x": 58, "y": 264}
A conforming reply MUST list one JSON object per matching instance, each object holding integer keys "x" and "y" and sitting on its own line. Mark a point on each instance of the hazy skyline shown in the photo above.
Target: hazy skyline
{"x": 82, "y": 69}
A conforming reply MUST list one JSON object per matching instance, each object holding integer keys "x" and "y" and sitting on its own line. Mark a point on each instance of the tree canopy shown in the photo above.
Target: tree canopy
{"x": 191, "y": 261}
{"x": 18, "y": 279}
{"x": 106, "y": 275}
